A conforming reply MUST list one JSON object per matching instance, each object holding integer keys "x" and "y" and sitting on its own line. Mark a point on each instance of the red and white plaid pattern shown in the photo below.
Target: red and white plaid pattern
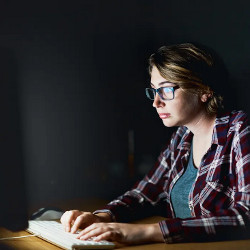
{"x": 219, "y": 199}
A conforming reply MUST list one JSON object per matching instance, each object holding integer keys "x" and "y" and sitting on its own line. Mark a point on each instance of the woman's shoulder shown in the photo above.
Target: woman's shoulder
{"x": 232, "y": 117}
{"x": 238, "y": 115}
{"x": 230, "y": 122}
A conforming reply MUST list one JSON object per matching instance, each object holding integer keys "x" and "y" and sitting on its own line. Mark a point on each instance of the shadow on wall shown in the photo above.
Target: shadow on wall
{"x": 13, "y": 211}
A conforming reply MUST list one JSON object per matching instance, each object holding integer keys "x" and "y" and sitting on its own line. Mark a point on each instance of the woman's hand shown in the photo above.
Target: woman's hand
{"x": 123, "y": 233}
{"x": 75, "y": 219}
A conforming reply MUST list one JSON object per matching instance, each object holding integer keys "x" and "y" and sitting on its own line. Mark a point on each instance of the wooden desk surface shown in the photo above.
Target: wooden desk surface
{"x": 35, "y": 243}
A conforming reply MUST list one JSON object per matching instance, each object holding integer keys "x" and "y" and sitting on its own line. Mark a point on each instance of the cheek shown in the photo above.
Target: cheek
{"x": 189, "y": 104}
{"x": 191, "y": 99}
{"x": 193, "y": 102}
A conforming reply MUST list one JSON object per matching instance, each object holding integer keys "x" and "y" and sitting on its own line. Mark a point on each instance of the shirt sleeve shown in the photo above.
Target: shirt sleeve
{"x": 225, "y": 224}
{"x": 143, "y": 199}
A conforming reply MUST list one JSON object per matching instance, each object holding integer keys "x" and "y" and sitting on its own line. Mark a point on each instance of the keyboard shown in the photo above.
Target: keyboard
{"x": 54, "y": 233}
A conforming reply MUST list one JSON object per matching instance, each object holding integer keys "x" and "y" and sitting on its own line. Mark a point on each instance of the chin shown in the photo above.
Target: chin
{"x": 169, "y": 124}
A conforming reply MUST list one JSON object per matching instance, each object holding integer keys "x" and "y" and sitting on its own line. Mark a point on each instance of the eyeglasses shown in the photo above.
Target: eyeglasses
{"x": 165, "y": 93}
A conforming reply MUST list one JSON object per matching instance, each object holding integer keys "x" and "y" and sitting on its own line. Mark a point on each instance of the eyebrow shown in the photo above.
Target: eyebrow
{"x": 161, "y": 83}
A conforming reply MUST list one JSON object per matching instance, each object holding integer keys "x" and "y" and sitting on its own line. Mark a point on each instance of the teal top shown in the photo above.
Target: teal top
{"x": 181, "y": 189}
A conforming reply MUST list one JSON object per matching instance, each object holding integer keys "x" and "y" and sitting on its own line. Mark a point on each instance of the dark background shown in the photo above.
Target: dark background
{"x": 77, "y": 73}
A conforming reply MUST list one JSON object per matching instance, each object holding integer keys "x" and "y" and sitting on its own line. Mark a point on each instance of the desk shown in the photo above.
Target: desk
{"x": 34, "y": 243}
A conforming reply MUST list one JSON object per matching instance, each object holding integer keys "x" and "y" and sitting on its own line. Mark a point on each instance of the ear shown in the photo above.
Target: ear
{"x": 205, "y": 97}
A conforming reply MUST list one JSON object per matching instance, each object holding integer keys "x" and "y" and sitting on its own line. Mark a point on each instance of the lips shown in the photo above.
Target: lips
{"x": 164, "y": 115}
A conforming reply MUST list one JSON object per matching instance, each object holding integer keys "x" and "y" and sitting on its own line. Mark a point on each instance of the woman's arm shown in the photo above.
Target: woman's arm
{"x": 123, "y": 233}
{"x": 212, "y": 228}
{"x": 144, "y": 199}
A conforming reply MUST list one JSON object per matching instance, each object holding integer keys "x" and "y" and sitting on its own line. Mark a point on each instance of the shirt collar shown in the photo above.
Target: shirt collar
{"x": 220, "y": 130}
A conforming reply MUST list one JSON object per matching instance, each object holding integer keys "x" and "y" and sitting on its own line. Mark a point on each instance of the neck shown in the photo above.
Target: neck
{"x": 203, "y": 125}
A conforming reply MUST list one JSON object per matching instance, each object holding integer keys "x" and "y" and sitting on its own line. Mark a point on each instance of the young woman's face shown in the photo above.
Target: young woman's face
{"x": 184, "y": 109}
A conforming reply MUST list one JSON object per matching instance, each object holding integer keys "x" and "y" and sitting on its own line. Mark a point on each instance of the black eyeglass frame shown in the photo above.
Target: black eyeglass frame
{"x": 158, "y": 91}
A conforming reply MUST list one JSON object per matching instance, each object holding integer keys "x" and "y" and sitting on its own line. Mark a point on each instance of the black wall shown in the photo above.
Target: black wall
{"x": 80, "y": 72}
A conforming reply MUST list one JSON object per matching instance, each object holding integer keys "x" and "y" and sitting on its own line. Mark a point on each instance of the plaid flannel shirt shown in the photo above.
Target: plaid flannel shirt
{"x": 219, "y": 199}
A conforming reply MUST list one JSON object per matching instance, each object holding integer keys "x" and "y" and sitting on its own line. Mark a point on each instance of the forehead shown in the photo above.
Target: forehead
{"x": 157, "y": 80}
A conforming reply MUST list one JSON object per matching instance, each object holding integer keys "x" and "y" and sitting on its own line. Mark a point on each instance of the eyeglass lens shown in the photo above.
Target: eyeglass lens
{"x": 164, "y": 93}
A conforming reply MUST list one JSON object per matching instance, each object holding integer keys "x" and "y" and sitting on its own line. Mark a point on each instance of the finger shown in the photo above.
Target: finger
{"x": 84, "y": 221}
{"x": 86, "y": 230}
{"x": 105, "y": 236}
{"x": 79, "y": 222}
{"x": 93, "y": 233}
{"x": 63, "y": 217}
{"x": 68, "y": 219}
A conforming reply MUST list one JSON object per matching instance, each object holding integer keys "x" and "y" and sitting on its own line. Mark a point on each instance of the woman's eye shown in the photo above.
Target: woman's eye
{"x": 167, "y": 90}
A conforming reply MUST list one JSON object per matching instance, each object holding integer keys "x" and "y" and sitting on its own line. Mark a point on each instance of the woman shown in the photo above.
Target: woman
{"x": 201, "y": 182}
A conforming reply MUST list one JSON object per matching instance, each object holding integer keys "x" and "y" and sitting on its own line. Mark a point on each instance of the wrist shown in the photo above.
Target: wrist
{"x": 154, "y": 233}
{"x": 104, "y": 217}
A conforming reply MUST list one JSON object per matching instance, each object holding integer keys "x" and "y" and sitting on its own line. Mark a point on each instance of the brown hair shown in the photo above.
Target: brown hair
{"x": 189, "y": 67}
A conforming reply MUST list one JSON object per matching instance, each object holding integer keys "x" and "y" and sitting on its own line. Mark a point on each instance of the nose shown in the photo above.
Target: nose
{"x": 158, "y": 101}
